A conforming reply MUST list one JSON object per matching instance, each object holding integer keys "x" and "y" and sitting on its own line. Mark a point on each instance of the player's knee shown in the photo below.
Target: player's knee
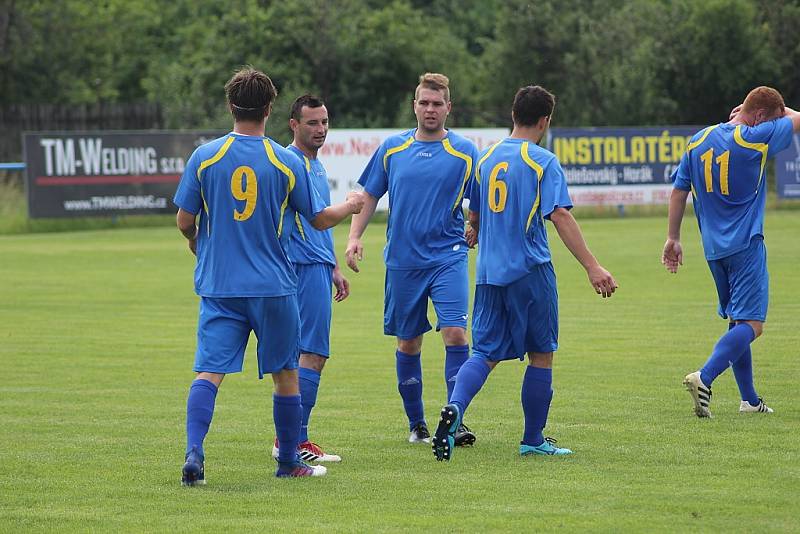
{"x": 214, "y": 378}
{"x": 454, "y": 335}
{"x": 541, "y": 359}
{"x": 410, "y": 346}
{"x": 312, "y": 361}
{"x": 758, "y": 327}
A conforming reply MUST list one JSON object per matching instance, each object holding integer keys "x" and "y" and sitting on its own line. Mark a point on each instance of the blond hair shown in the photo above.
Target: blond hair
{"x": 435, "y": 81}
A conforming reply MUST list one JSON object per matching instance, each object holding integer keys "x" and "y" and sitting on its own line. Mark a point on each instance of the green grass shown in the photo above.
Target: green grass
{"x": 97, "y": 333}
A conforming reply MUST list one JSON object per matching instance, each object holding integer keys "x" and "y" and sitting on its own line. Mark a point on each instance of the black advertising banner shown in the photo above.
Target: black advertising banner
{"x": 787, "y": 170}
{"x": 620, "y": 165}
{"x": 81, "y": 174}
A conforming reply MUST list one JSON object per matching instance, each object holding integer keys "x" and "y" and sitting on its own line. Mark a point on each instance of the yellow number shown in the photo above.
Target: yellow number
{"x": 707, "y": 158}
{"x": 247, "y": 192}
{"x": 498, "y": 190}
{"x": 722, "y": 160}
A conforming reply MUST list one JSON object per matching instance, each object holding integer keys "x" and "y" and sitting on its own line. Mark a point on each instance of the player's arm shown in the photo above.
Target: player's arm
{"x": 471, "y": 235}
{"x": 672, "y": 256}
{"x": 188, "y": 226}
{"x": 795, "y": 116}
{"x": 570, "y": 233}
{"x": 355, "y": 249}
{"x": 333, "y": 215}
{"x": 340, "y": 283}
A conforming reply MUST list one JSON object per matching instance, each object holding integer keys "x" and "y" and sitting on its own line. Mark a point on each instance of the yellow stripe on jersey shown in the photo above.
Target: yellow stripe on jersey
{"x": 300, "y": 226}
{"x": 396, "y": 149}
{"x": 480, "y": 161}
{"x": 308, "y": 163}
{"x": 539, "y": 173}
{"x": 758, "y": 147}
{"x": 289, "y": 174}
{"x": 218, "y": 156}
{"x": 452, "y": 151}
{"x": 697, "y": 143}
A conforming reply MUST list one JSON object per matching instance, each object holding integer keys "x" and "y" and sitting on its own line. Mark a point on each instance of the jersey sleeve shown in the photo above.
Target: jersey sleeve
{"x": 781, "y": 136}
{"x": 189, "y": 197}
{"x": 553, "y": 192}
{"x": 304, "y": 197}
{"x": 681, "y": 176}
{"x": 474, "y": 154}
{"x": 375, "y": 178}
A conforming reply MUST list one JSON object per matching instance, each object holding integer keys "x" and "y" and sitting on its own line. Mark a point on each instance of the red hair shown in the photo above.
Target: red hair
{"x": 765, "y": 98}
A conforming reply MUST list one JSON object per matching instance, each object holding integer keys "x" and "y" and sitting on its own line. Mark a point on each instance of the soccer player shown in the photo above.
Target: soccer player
{"x": 246, "y": 189}
{"x": 517, "y": 186}
{"x": 311, "y": 253}
{"x": 425, "y": 171}
{"x": 724, "y": 167}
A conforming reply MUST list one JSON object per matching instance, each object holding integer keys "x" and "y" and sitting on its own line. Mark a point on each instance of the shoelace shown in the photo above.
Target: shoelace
{"x": 551, "y": 441}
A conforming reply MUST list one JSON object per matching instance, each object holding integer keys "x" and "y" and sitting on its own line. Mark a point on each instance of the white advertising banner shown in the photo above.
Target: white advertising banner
{"x": 346, "y": 153}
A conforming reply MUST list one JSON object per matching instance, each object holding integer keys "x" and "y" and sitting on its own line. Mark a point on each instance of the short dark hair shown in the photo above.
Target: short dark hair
{"x": 306, "y": 100}
{"x": 531, "y": 103}
{"x": 250, "y": 92}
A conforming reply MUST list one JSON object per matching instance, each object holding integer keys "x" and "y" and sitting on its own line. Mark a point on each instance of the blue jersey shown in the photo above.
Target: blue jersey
{"x": 517, "y": 185}
{"x": 247, "y": 190}
{"x": 725, "y": 169}
{"x": 426, "y": 182}
{"x": 309, "y": 245}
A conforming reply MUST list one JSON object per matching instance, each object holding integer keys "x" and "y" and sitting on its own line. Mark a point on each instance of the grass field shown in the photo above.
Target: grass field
{"x": 97, "y": 333}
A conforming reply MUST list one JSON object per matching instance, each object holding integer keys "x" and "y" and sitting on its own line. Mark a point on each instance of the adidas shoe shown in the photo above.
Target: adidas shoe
{"x": 300, "y": 469}
{"x": 419, "y": 434}
{"x": 444, "y": 439}
{"x": 309, "y": 452}
{"x": 193, "y": 469}
{"x": 463, "y": 436}
{"x": 547, "y": 448}
{"x": 701, "y": 394}
{"x": 746, "y": 407}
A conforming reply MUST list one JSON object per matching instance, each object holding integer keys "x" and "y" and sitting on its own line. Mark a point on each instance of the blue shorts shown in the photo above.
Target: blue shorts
{"x": 742, "y": 283}
{"x": 405, "y": 304}
{"x": 314, "y": 283}
{"x": 510, "y": 321}
{"x": 224, "y": 328}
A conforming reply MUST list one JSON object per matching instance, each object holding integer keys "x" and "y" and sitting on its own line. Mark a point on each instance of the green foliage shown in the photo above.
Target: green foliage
{"x": 610, "y": 62}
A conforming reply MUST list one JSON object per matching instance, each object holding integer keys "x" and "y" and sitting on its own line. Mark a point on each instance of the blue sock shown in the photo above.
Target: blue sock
{"x": 455, "y": 356}
{"x": 537, "y": 392}
{"x": 409, "y": 384}
{"x": 727, "y": 351}
{"x": 286, "y": 412}
{"x": 469, "y": 381}
{"x": 743, "y": 372}
{"x": 309, "y": 384}
{"x": 199, "y": 411}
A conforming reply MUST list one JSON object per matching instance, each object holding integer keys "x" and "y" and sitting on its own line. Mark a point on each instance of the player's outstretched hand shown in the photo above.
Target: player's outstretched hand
{"x": 341, "y": 284}
{"x": 672, "y": 256}
{"x": 471, "y": 236}
{"x": 602, "y": 281}
{"x": 354, "y": 253}
{"x": 356, "y": 201}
